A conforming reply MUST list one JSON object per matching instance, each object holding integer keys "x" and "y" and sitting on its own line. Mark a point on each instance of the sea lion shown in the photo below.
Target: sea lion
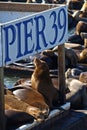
{"x": 41, "y": 81}
{"x": 50, "y": 58}
{"x": 15, "y": 119}
{"x": 71, "y": 58}
{"x": 83, "y": 56}
{"x": 35, "y": 99}
{"x": 80, "y": 16}
{"x": 75, "y": 4}
{"x": 84, "y": 7}
{"x": 84, "y": 36}
{"x": 52, "y": 1}
{"x": 71, "y": 21}
{"x": 7, "y": 91}
{"x": 81, "y": 27}
{"x": 24, "y": 81}
{"x": 70, "y": 54}
{"x": 83, "y": 77}
{"x": 73, "y": 73}
{"x": 77, "y": 95}
{"x": 83, "y": 15}
{"x": 73, "y": 46}
{"x": 69, "y": 76}
{"x": 30, "y": 1}
{"x": 77, "y": 39}
{"x": 13, "y": 102}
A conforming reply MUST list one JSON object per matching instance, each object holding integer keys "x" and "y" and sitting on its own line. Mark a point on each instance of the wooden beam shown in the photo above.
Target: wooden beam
{"x": 61, "y": 73}
{"x": 2, "y": 115}
{"x": 25, "y": 7}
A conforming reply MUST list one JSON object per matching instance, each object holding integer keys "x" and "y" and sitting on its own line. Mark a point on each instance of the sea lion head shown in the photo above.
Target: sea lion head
{"x": 81, "y": 27}
{"x": 40, "y": 64}
{"x": 83, "y": 77}
{"x": 40, "y": 113}
{"x": 37, "y": 106}
{"x": 48, "y": 53}
{"x": 75, "y": 4}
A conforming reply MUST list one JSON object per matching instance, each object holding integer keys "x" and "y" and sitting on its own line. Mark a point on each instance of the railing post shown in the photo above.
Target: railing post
{"x": 61, "y": 72}
{"x": 2, "y": 115}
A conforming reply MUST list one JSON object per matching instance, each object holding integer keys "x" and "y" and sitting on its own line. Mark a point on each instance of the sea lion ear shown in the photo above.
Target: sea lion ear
{"x": 37, "y": 61}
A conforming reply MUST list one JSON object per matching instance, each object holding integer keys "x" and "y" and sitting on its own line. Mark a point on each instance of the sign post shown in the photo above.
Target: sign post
{"x": 2, "y": 115}
{"x": 61, "y": 65}
{"x": 2, "y": 104}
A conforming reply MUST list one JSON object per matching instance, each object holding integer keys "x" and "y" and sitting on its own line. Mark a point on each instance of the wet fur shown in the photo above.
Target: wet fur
{"x": 34, "y": 99}
{"x": 41, "y": 81}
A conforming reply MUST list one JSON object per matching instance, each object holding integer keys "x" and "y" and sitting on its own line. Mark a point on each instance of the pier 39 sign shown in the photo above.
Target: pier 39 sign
{"x": 34, "y": 33}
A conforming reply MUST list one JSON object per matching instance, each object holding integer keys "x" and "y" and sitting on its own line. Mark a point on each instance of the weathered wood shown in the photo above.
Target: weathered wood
{"x": 24, "y": 7}
{"x": 61, "y": 73}
{"x": 2, "y": 117}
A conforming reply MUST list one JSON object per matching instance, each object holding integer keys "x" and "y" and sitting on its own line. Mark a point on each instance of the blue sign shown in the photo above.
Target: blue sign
{"x": 34, "y": 33}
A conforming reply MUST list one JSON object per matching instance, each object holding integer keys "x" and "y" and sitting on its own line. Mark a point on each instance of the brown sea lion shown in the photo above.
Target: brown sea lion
{"x": 83, "y": 56}
{"x": 24, "y": 81}
{"x": 80, "y": 16}
{"x": 71, "y": 21}
{"x": 71, "y": 57}
{"x": 75, "y": 4}
{"x": 70, "y": 54}
{"x": 84, "y": 7}
{"x": 83, "y": 15}
{"x": 41, "y": 81}
{"x": 73, "y": 46}
{"x": 13, "y": 102}
{"x": 77, "y": 39}
{"x": 77, "y": 95}
{"x": 7, "y": 91}
{"x": 84, "y": 36}
{"x": 29, "y": 1}
{"x": 81, "y": 27}
{"x": 35, "y": 99}
{"x": 15, "y": 119}
{"x": 83, "y": 77}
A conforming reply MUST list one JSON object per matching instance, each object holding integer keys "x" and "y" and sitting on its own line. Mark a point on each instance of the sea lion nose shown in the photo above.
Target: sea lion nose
{"x": 46, "y": 112}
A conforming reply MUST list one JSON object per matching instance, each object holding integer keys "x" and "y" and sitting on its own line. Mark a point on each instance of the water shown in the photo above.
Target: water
{"x": 10, "y": 80}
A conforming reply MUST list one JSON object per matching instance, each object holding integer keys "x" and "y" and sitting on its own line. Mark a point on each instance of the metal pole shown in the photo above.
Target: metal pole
{"x": 2, "y": 115}
{"x": 61, "y": 73}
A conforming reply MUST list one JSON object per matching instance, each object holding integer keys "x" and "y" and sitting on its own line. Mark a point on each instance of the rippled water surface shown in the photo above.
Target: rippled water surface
{"x": 10, "y": 80}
